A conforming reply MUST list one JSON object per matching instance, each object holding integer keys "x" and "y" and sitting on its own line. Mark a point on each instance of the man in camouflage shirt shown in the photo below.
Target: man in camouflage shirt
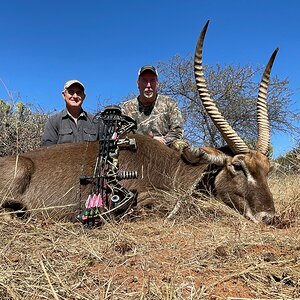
{"x": 156, "y": 115}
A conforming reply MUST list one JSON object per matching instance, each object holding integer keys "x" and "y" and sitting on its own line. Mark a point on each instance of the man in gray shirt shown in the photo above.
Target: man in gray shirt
{"x": 72, "y": 124}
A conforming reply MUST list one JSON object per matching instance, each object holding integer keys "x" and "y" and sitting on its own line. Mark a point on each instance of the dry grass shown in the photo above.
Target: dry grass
{"x": 206, "y": 252}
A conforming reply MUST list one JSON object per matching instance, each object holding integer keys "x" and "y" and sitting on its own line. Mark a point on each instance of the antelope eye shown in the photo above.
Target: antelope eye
{"x": 237, "y": 167}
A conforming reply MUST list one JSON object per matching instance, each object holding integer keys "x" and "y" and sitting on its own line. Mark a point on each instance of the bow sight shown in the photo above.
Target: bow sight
{"x": 107, "y": 195}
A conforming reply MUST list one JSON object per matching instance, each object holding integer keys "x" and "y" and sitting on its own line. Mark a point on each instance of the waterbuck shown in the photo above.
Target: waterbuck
{"x": 47, "y": 179}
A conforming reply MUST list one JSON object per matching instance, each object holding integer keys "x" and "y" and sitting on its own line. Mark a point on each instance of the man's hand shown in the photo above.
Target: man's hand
{"x": 161, "y": 139}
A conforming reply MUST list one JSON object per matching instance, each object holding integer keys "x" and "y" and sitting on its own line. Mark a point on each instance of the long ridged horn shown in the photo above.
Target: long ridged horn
{"x": 263, "y": 140}
{"x": 236, "y": 144}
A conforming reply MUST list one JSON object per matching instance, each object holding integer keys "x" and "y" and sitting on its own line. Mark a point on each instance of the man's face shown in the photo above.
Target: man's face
{"x": 73, "y": 96}
{"x": 148, "y": 85}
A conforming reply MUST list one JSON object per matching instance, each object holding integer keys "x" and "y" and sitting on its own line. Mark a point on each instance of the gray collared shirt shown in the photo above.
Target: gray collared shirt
{"x": 61, "y": 128}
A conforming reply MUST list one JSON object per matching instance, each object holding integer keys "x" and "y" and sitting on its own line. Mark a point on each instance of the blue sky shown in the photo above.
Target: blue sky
{"x": 103, "y": 44}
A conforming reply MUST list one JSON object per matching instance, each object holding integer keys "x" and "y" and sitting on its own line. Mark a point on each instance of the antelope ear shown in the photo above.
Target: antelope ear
{"x": 201, "y": 155}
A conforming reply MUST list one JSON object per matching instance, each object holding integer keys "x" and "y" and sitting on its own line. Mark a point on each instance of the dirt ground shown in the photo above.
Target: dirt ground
{"x": 206, "y": 252}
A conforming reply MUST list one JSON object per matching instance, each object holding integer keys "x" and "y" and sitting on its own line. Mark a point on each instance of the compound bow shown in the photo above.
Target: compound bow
{"x": 107, "y": 195}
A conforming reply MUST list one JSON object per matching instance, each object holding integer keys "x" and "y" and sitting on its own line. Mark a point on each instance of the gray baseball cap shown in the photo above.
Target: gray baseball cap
{"x": 71, "y": 82}
{"x": 147, "y": 68}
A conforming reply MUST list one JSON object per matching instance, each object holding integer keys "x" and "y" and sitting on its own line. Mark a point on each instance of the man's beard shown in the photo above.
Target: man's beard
{"x": 149, "y": 93}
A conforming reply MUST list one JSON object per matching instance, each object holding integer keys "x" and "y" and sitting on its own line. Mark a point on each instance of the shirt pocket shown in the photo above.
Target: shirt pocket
{"x": 65, "y": 135}
{"x": 89, "y": 134}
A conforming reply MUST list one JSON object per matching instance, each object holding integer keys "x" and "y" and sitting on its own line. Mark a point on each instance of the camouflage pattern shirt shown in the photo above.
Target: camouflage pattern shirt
{"x": 161, "y": 118}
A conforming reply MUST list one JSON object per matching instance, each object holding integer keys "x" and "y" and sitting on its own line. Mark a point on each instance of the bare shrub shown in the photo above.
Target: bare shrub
{"x": 21, "y": 127}
{"x": 290, "y": 162}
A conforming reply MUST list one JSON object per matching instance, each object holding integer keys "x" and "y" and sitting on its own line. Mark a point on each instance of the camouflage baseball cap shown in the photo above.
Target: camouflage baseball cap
{"x": 147, "y": 68}
{"x": 71, "y": 82}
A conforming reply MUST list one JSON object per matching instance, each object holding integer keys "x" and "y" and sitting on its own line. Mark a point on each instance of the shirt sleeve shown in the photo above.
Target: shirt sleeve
{"x": 176, "y": 123}
{"x": 127, "y": 108}
{"x": 50, "y": 136}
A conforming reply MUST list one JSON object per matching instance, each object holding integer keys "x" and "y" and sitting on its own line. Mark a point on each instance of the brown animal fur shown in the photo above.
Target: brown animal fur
{"x": 49, "y": 177}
